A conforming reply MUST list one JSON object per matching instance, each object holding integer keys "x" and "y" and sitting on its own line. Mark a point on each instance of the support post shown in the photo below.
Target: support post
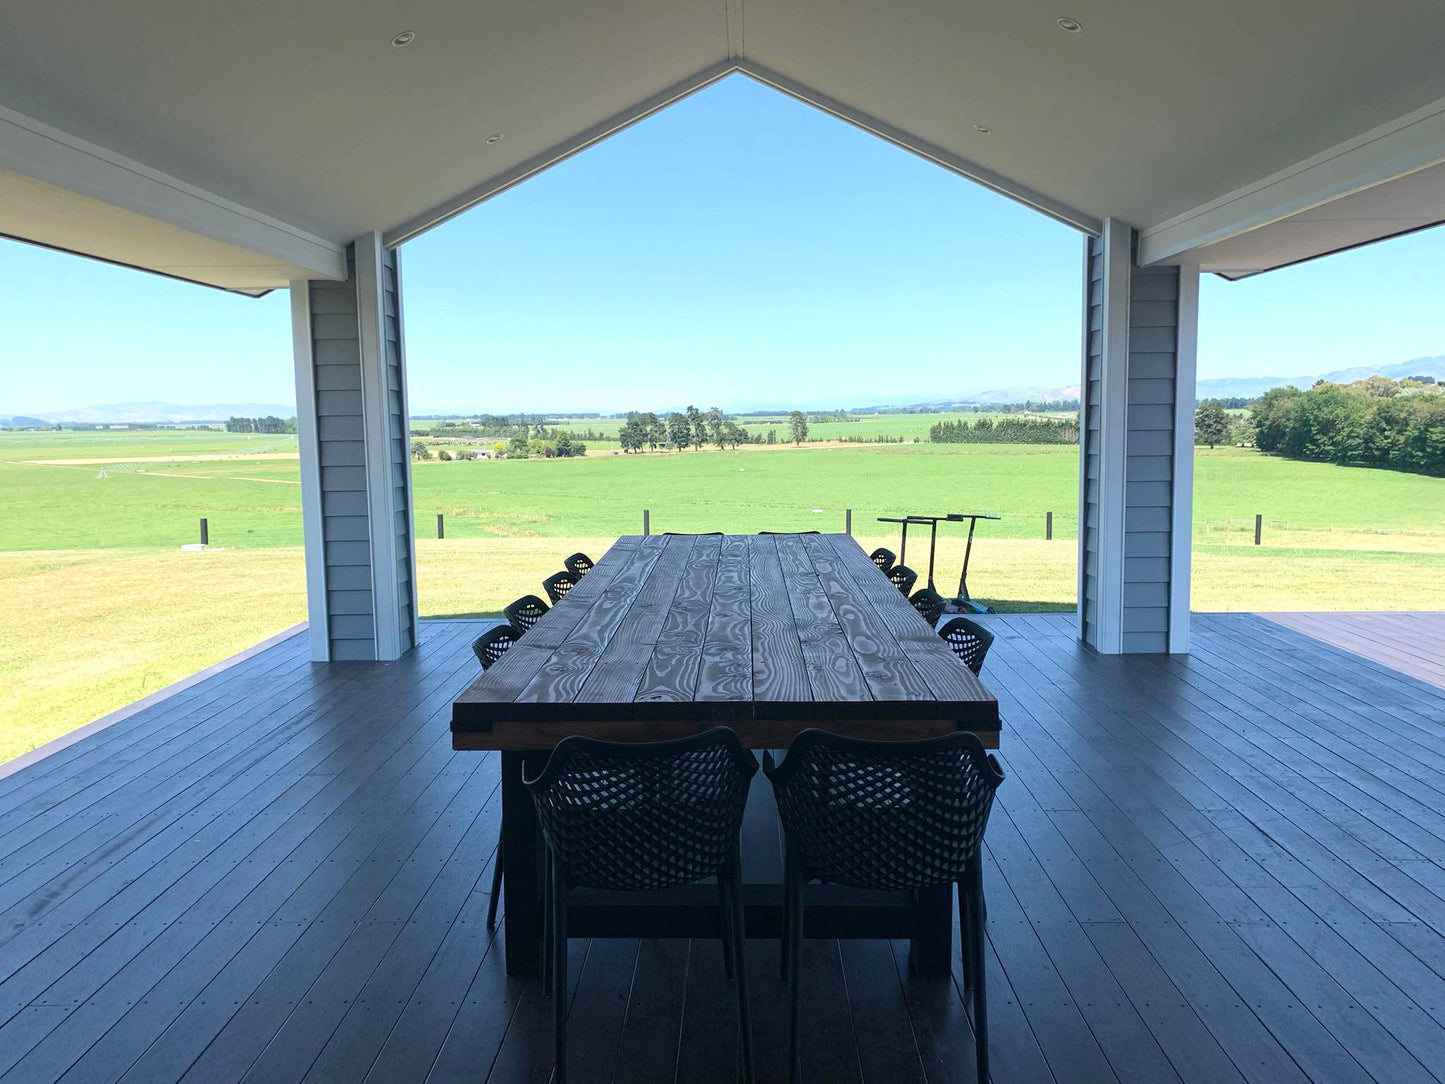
{"x": 848, "y": 521}
{"x": 1136, "y": 448}
{"x": 646, "y": 522}
{"x": 205, "y": 532}
{"x": 1258, "y": 527}
{"x": 348, "y": 339}
{"x": 1048, "y": 526}
{"x": 441, "y": 526}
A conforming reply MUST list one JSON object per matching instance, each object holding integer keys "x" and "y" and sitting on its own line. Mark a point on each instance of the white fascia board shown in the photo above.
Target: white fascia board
{"x": 1394, "y": 149}
{"x": 35, "y": 149}
{"x": 954, "y": 163}
{"x": 458, "y": 204}
{"x": 655, "y": 104}
{"x": 1181, "y": 526}
{"x": 381, "y": 510}
{"x": 307, "y": 443}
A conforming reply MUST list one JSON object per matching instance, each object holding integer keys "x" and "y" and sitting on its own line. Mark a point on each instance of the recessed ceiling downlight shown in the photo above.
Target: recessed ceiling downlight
{"x": 1073, "y": 26}
{"x": 982, "y": 129}
{"x": 495, "y": 137}
{"x": 406, "y": 37}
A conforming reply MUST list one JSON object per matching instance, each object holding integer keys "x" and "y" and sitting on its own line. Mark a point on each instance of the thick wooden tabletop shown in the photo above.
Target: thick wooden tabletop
{"x": 768, "y": 634}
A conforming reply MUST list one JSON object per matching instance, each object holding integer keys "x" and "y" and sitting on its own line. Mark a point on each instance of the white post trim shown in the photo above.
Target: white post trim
{"x": 309, "y": 446}
{"x": 406, "y": 437}
{"x": 1181, "y": 526}
{"x": 381, "y": 516}
{"x": 1113, "y": 430}
{"x": 1082, "y": 604}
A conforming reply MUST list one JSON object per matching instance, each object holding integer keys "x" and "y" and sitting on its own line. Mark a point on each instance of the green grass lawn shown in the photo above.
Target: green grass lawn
{"x": 103, "y": 607}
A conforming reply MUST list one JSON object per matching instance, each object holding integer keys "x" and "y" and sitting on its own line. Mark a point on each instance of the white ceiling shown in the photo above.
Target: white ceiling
{"x": 303, "y": 112}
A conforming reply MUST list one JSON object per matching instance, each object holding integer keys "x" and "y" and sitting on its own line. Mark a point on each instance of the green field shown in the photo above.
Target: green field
{"x": 104, "y": 607}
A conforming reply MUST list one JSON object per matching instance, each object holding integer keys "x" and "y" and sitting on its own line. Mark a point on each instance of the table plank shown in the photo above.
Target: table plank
{"x": 779, "y": 671}
{"x": 727, "y": 652}
{"x": 672, "y": 671}
{"x": 768, "y": 634}
{"x": 919, "y": 641}
{"x": 560, "y": 680}
{"x": 833, "y": 673}
{"x": 620, "y": 669}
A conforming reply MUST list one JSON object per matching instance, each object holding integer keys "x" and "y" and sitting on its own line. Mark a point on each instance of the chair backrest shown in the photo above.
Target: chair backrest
{"x": 883, "y": 558}
{"x": 579, "y": 564}
{"x": 884, "y": 814}
{"x": 902, "y": 576}
{"x": 525, "y": 612}
{"x": 642, "y": 815}
{"x": 493, "y": 644}
{"x": 929, "y": 603}
{"x": 558, "y": 584}
{"x": 970, "y": 641}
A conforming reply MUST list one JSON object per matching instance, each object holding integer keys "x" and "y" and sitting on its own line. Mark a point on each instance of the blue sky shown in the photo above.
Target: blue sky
{"x": 738, "y": 248}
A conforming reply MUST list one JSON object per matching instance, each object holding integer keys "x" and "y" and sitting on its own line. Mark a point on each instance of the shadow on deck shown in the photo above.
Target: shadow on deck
{"x": 1221, "y": 867}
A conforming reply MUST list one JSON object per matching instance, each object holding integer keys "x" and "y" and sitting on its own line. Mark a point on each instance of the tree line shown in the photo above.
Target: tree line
{"x": 694, "y": 428}
{"x": 1009, "y": 430}
{"x": 1375, "y": 422}
{"x": 269, "y": 424}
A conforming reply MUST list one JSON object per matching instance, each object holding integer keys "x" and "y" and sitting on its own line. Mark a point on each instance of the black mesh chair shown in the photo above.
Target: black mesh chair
{"x": 558, "y": 584}
{"x": 489, "y": 647}
{"x": 970, "y": 641}
{"x": 883, "y": 558}
{"x": 493, "y": 644}
{"x": 579, "y": 564}
{"x": 929, "y": 603}
{"x": 902, "y": 576}
{"x": 886, "y": 815}
{"x": 636, "y": 816}
{"x": 525, "y": 612}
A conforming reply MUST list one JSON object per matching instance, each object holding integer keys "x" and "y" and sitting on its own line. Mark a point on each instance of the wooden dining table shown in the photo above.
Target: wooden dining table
{"x": 769, "y": 634}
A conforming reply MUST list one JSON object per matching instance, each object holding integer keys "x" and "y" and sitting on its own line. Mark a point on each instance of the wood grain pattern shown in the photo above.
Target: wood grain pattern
{"x": 766, "y": 633}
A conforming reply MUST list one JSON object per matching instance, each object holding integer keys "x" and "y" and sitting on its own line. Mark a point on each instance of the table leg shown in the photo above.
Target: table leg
{"x": 931, "y": 950}
{"x": 522, "y": 887}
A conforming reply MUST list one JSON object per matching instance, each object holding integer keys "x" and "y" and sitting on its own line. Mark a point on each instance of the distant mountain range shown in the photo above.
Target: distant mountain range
{"x": 1246, "y": 387}
{"x": 148, "y": 413}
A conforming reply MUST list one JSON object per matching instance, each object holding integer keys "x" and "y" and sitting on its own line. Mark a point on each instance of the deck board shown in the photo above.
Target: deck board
{"x": 1221, "y": 867}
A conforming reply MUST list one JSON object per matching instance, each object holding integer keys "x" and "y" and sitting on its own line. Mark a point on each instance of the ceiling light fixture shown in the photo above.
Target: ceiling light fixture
{"x": 406, "y": 37}
{"x": 982, "y": 129}
{"x": 1073, "y": 26}
{"x": 495, "y": 137}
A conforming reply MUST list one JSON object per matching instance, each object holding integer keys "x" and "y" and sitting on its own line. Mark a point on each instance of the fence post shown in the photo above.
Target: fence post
{"x": 848, "y": 521}
{"x": 1258, "y": 527}
{"x": 441, "y": 527}
{"x": 646, "y": 522}
{"x": 205, "y": 532}
{"x": 1048, "y": 526}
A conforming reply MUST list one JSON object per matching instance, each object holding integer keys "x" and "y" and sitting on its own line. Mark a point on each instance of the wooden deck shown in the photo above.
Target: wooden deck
{"x": 1224, "y": 867}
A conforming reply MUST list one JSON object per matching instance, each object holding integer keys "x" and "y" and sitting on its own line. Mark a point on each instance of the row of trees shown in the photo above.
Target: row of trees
{"x": 269, "y": 424}
{"x": 1373, "y": 422}
{"x": 1011, "y": 430}
{"x": 694, "y": 428}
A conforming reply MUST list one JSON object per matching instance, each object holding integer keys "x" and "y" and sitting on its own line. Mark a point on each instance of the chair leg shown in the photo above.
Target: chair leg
{"x": 725, "y": 920}
{"x": 559, "y": 972}
{"x": 783, "y": 941}
{"x": 547, "y": 923}
{"x": 738, "y": 927}
{"x": 976, "y": 955}
{"x": 496, "y": 887}
{"x": 965, "y": 903}
{"x": 794, "y": 906}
